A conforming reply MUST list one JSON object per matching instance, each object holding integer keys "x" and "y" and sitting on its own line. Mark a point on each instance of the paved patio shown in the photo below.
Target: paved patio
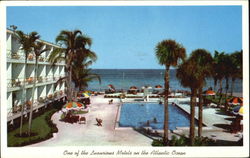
{"x": 90, "y": 134}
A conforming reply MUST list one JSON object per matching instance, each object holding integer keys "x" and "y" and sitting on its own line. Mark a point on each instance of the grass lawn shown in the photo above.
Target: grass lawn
{"x": 42, "y": 125}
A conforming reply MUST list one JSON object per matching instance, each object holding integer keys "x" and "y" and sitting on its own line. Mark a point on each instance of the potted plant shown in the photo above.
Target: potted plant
{"x": 13, "y": 83}
{"x": 28, "y": 104}
{"x": 15, "y": 55}
{"x": 30, "y": 80}
{"x": 41, "y": 59}
{"x": 40, "y": 79}
{"x": 18, "y": 83}
{"x": 55, "y": 94}
{"x": 50, "y": 96}
{"x": 30, "y": 56}
{"x": 41, "y": 100}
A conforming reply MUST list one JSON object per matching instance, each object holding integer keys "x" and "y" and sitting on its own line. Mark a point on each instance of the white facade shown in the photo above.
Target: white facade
{"x": 48, "y": 75}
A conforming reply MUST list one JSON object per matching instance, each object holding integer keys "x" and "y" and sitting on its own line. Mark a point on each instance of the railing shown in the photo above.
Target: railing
{"x": 42, "y": 101}
{"x": 11, "y": 83}
{"x": 14, "y": 55}
{"x": 31, "y": 57}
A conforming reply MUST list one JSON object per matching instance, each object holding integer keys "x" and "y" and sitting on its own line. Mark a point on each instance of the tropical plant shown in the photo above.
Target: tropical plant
{"x": 236, "y": 71}
{"x": 188, "y": 76}
{"x": 27, "y": 42}
{"x": 203, "y": 62}
{"x": 169, "y": 53}
{"x": 38, "y": 48}
{"x": 227, "y": 63}
{"x": 75, "y": 49}
{"x": 218, "y": 71}
{"x": 82, "y": 76}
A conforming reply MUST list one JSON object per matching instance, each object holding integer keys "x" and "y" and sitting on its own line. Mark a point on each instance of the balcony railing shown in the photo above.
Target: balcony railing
{"x": 15, "y": 111}
{"x": 19, "y": 81}
{"x": 31, "y": 57}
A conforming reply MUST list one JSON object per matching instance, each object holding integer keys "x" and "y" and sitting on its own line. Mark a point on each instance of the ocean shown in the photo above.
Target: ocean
{"x": 125, "y": 78}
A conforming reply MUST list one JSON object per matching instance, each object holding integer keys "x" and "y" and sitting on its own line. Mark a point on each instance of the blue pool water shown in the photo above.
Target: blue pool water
{"x": 138, "y": 114}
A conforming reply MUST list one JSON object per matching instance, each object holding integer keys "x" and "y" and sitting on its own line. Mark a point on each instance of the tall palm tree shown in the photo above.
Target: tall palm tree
{"x": 187, "y": 74}
{"x": 236, "y": 66}
{"x": 74, "y": 48}
{"x": 218, "y": 71}
{"x": 169, "y": 53}
{"x": 203, "y": 62}
{"x": 227, "y": 63}
{"x": 38, "y": 48}
{"x": 27, "y": 42}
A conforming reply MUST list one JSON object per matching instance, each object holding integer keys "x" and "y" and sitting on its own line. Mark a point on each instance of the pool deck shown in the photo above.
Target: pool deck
{"x": 90, "y": 134}
{"x": 211, "y": 118}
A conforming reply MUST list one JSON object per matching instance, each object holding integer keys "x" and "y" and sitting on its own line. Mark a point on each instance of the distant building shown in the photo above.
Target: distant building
{"x": 46, "y": 89}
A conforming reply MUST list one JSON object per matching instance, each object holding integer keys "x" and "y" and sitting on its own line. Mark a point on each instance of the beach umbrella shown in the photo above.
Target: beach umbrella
{"x": 235, "y": 101}
{"x": 133, "y": 88}
{"x": 111, "y": 87}
{"x": 86, "y": 95}
{"x": 158, "y": 86}
{"x": 73, "y": 105}
{"x": 209, "y": 93}
{"x": 238, "y": 110}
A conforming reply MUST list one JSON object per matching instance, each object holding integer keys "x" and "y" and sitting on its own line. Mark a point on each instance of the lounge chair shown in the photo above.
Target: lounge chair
{"x": 82, "y": 120}
{"x": 111, "y": 101}
{"x": 99, "y": 122}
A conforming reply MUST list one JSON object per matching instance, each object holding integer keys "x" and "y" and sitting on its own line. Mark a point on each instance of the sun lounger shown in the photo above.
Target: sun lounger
{"x": 99, "y": 122}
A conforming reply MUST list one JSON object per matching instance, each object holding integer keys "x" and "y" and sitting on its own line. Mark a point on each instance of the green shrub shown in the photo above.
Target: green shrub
{"x": 42, "y": 125}
{"x": 184, "y": 141}
{"x": 157, "y": 142}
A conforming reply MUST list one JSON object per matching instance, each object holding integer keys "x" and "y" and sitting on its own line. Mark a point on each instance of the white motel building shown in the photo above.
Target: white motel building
{"x": 45, "y": 91}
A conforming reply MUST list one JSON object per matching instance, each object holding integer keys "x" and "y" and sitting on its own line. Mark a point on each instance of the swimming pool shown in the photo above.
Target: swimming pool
{"x": 151, "y": 114}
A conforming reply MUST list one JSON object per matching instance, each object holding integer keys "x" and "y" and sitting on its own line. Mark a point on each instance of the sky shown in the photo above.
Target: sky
{"x": 125, "y": 37}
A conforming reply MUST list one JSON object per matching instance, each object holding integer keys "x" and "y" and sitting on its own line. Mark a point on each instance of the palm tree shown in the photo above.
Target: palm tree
{"x": 38, "y": 48}
{"x": 227, "y": 63}
{"x": 82, "y": 76}
{"x": 169, "y": 53}
{"x": 203, "y": 62}
{"x": 218, "y": 71}
{"x": 187, "y": 74}
{"x": 74, "y": 50}
{"x": 236, "y": 66}
{"x": 26, "y": 41}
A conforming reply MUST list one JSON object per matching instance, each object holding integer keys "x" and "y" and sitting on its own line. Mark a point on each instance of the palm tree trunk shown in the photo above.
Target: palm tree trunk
{"x": 220, "y": 92}
{"x": 70, "y": 83}
{"x": 200, "y": 113}
{"x": 165, "y": 136}
{"x": 33, "y": 93}
{"x": 215, "y": 83}
{"x": 232, "y": 86}
{"x": 192, "y": 111}
{"x": 23, "y": 95}
{"x": 227, "y": 85}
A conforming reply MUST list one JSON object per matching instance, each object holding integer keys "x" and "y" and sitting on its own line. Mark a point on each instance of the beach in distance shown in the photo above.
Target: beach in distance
{"x": 125, "y": 78}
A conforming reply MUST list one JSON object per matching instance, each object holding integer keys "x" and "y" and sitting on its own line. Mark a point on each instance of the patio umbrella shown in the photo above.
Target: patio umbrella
{"x": 73, "y": 105}
{"x": 209, "y": 92}
{"x": 133, "y": 88}
{"x": 235, "y": 101}
{"x": 238, "y": 110}
{"x": 111, "y": 86}
{"x": 86, "y": 95}
{"x": 158, "y": 86}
